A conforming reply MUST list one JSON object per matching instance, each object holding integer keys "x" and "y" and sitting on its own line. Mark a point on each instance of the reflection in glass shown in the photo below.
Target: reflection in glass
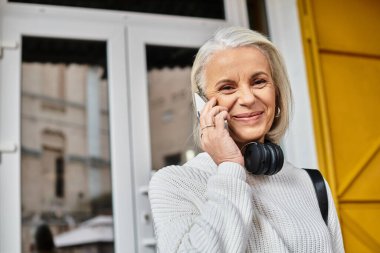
{"x": 257, "y": 15}
{"x": 191, "y": 8}
{"x": 170, "y": 105}
{"x": 66, "y": 168}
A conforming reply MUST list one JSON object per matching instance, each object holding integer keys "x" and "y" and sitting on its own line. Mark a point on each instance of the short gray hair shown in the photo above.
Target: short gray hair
{"x": 234, "y": 37}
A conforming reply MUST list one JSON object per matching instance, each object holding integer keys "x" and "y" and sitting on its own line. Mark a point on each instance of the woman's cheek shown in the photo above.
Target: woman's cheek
{"x": 226, "y": 102}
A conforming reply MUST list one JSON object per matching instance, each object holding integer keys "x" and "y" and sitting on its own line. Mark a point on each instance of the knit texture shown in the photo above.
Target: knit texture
{"x": 202, "y": 207}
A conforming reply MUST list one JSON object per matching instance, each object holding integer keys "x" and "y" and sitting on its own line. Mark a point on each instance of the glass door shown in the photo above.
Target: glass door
{"x": 160, "y": 60}
{"x": 65, "y": 161}
{"x": 92, "y": 103}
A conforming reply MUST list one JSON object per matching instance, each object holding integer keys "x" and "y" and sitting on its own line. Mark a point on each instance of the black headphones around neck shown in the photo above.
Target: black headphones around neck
{"x": 263, "y": 158}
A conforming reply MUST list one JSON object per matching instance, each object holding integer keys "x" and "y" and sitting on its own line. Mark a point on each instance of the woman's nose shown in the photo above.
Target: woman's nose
{"x": 246, "y": 97}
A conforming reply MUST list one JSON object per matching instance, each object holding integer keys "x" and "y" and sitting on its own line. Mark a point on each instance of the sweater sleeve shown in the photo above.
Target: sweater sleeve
{"x": 195, "y": 216}
{"x": 333, "y": 224}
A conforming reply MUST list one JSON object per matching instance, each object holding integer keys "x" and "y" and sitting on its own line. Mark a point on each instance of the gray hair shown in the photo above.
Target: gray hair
{"x": 234, "y": 37}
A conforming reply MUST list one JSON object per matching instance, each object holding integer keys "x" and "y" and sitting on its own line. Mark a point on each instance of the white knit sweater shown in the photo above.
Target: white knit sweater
{"x": 202, "y": 207}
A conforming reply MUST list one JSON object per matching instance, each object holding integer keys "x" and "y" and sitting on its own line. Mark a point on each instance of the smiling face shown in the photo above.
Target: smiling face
{"x": 240, "y": 79}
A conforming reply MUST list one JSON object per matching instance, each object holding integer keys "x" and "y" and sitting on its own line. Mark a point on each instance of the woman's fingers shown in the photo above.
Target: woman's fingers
{"x": 216, "y": 128}
{"x": 220, "y": 119}
{"x": 217, "y": 142}
{"x": 215, "y": 139}
{"x": 216, "y": 110}
{"x": 208, "y": 115}
{"x": 211, "y": 116}
{"x": 211, "y": 103}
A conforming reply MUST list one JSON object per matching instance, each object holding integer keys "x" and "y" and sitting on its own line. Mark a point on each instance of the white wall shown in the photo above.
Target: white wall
{"x": 284, "y": 26}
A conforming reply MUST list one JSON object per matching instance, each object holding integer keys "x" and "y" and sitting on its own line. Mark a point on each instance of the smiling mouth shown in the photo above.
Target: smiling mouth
{"x": 248, "y": 116}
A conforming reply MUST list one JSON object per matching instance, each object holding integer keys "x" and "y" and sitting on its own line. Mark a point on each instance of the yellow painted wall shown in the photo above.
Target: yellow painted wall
{"x": 341, "y": 40}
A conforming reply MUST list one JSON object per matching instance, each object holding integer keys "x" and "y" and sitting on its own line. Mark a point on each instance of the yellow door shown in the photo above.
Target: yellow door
{"x": 341, "y": 39}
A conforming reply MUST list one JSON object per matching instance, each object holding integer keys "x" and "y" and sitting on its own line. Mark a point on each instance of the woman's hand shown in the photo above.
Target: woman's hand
{"x": 215, "y": 138}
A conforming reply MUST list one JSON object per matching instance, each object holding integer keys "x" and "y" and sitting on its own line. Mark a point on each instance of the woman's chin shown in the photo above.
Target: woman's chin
{"x": 243, "y": 136}
{"x": 243, "y": 140}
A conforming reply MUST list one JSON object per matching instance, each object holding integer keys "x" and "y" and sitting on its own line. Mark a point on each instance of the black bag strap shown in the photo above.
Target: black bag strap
{"x": 320, "y": 189}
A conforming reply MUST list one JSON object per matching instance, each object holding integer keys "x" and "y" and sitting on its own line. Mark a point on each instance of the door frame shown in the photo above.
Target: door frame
{"x": 284, "y": 26}
{"x": 56, "y": 23}
{"x": 20, "y": 19}
{"x": 192, "y": 36}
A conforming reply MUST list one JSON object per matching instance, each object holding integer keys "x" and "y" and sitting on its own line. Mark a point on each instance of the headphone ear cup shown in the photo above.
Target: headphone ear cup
{"x": 272, "y": 159}
{"x": 253, "y": 158}
{"x": 279, "y": 157}
{"x": 262, "y": 167}
{"x": 280, "y": 162}
{"x": 263, "y": 159}
{"x": 267, "y": 159}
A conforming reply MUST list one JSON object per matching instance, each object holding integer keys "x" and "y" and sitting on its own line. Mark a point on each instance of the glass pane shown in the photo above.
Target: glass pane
{"x": 257, "y": 16}
{"x": 170, "y": 105}
{"x": 194, "y": 8}
{"x": 66, "y": 168}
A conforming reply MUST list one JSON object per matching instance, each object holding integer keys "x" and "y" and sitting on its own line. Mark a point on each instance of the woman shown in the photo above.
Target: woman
{"x": 211, "y": 203}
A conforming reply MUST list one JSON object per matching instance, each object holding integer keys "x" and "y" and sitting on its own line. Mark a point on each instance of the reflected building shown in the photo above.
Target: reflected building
{"x": 171, "y": 116}
{"x": 66, "y": 169}
{"x": 66, "y": 165}
{"x": 66, "y": 173}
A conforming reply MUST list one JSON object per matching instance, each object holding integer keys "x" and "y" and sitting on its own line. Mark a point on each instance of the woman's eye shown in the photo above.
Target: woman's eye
{"x": 226, "y": 88}
{"x": 260, "y": 82}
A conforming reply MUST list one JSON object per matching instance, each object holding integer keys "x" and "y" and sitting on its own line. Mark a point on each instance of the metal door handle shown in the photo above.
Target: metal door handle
{"x": 8, "y": 147}
{"x": 144, "y": 190}
{"x": 7, "y": 45}
{"x": 149, "y": 242}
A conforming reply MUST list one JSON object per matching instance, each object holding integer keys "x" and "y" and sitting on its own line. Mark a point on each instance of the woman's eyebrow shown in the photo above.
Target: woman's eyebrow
{"x": 224, "y": 81}
{"x": 259, "y": 73}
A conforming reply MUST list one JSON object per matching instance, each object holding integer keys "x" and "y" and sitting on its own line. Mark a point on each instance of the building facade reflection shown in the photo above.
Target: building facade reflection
{"x": 66, "y": 167}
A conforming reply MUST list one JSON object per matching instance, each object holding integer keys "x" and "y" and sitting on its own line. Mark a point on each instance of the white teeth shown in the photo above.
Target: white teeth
{"x": 249, "y": 115}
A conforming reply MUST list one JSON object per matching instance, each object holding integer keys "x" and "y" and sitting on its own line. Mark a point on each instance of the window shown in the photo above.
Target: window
{"x": 257, "y": 16}
{"x": 173, "y": 159}
{"x": 66, "y": 167}
{"x": 59, "y": 178}
{"x": 196, "y": 8}
{"x": 170, "y": 104}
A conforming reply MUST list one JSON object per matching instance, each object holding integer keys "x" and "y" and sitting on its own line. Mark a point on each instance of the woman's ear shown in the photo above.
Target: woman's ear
{"x": 277, "y": 112}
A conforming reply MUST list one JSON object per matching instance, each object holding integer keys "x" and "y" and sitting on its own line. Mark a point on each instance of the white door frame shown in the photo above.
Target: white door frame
{"x": 299, "y": 141}
{"x": 53, "y": 22}
{"x": 76, "y": 23}
{"x": 189, "y": 36}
